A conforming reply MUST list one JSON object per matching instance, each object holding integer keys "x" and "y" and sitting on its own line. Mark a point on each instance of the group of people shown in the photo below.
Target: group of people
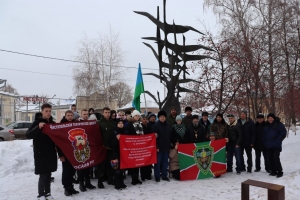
{"x": 242, "y": 135}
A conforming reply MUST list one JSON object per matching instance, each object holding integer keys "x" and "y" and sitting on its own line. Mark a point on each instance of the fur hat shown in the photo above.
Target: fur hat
{"x": 173, "y": 107}
{"x": 162, "y": 112}
{"x": 128, "y": 112}
{"x": 178, "y": 117}
{"x": 271, "y": 115}
{"x": 230, "y": 115}
{"x": 195, "y": 117}
{"x": 188, "y": 109}
{"x": 260, "y": 115}
{"x": 204, "y": 113}
{"x": 150, "y": 115}
{"x": 244, "y": 111}
{"x": 135, "y": 112}
{"x": 220, "y": 115}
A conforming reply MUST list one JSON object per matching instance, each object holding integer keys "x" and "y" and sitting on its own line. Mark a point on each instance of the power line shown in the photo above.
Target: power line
{"x": 66, "y": 60}
{"x": 63, "y": 75}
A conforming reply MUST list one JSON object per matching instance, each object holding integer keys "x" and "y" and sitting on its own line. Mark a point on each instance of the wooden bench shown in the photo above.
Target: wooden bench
{"x": 275, "y": 192}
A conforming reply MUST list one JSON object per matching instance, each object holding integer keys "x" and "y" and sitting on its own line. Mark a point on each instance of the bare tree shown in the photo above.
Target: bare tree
{"x": 122, "y": 92}
{"x": 101, "y": 58}
{"x": 10, "y": 89}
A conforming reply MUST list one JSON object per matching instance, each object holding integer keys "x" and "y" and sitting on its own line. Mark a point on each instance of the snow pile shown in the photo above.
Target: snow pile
{"x": 17, "y": 179}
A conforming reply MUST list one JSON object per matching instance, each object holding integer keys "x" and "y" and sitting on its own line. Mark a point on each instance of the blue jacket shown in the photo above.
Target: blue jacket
{"x": 273, "y": 135}
{"x": 248, "y": 130}
{"x": 163, "y": 130}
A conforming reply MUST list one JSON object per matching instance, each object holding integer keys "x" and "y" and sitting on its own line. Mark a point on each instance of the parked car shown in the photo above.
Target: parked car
{"x": 6, "y": 134}
{"x": 20, "y": 128}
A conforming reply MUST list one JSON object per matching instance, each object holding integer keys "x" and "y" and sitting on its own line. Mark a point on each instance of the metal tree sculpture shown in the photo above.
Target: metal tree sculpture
{"x": 178, "y": 58}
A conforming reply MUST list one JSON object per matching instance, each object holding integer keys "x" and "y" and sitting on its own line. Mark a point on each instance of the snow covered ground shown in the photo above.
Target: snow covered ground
{"x": 17, "y": 179}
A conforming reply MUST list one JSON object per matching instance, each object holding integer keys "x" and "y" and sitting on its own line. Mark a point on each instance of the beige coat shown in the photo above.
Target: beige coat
{"x": 174, "y": 162}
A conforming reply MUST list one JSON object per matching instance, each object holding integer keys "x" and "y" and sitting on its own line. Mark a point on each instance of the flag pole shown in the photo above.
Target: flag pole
{"x": 145, "y": 104}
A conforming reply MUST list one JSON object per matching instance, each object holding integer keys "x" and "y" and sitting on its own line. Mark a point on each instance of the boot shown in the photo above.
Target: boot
{"x": 73, "y": 190}
{"x": 135, "y": 179}
{"x": 110, "y": 181}
{"x": 88, "y": 184}
{"x": 100, "y": 184}
{"x": 68, "y": 191}
{"x": 117, "y": 181}
{"x": 82, "y": 187}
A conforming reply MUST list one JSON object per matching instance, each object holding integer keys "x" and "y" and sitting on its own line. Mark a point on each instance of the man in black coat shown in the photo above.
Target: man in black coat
{"x": 234, "y": 144}
{"x": 205, "y": 125}
{"x": 163, "y": 129}
{"x": 68, "y": 170}
{"x": 45, "y": 159}
{"x": 259, "y": 146}
{"x": 187, "y": 120}
{"x": 196, "y": 133}
{"x": 248, "y": 130}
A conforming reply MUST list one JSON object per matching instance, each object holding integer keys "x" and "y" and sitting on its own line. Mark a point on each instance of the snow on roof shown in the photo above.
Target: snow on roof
{"x": 31, "y": 108}
{"x": 150, "y": 104}
{"x": 9, "y": 94}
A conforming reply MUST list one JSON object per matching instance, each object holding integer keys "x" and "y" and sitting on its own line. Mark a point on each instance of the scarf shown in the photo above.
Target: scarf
{"x": 138, "y": 128}
{"x": 180, "y": 129}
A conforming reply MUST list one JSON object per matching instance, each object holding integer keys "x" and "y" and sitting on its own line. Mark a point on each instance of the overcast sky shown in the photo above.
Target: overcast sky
{"x": 53, "y": 28}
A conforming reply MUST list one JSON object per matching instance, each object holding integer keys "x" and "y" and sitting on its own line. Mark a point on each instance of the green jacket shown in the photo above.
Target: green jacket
{"x": 220, "y": 129}
{"x": 107, "y": 128}
{"x": 171, "y": 120}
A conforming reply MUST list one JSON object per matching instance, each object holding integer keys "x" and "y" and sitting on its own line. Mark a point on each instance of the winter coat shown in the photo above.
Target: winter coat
{"x": 273, "y": 135}
{"x": 146, "y": 129}
{"x": 174, "y": 162}
{"x": 175, "y": 137}
{"x": 259, "y": 132}
{"x": 220, "y": 129}
{"x": 116, "y": 143}
{"x": 171, "y": 120}
{"x": 45, "y": 159}
{"x": 150, "y": 124}
{"x": 187, "y": 120}
{"x": 130, "y": 129}
{"x": 205, "y": 128}
{"x": 235, "y": 134}
{"x": 196, "y": 134}
{"x": 107, "y": 128}
{"x": 248, "y": 129}
{"x": 163, "y": 131}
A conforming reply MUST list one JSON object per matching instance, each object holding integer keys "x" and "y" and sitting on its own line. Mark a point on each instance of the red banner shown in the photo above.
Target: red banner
{"x": 81, "y": 142}
{"x": 137, "y": 150}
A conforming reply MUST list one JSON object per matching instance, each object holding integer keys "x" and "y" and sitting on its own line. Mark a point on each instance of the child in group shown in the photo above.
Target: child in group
{"x": 115, "y": 159}
{"x": 174, "y": 163}
{"x": 163, "y": 130}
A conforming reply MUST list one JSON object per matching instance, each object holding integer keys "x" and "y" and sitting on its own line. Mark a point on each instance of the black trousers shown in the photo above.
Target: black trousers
{"x": 84, "y": 175}
{"x": 258, "y": 153}
{"x": 248, "y": 150}
{"x": 146, "y": 172}
{"x": 176, "y": 174}
{"x": 105, "y": 168}
{"x": 44, "y": 185}
{"x": 274, "y": 159}
{"x": 68, "y": 172}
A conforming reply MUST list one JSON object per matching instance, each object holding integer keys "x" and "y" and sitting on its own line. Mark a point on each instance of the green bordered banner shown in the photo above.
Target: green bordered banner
{"x": 202, "y": 160}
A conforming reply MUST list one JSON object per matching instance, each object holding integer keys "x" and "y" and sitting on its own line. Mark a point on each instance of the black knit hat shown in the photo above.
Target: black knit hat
{"x": 188, "y": 108}
{"x": 195, "y": 117}
{"x": 230, "y": 115}
{"x": 260, "y": 115}
{"x": 128, "y": 112}
{"x": 162, "y": 112}
{"x": 173, "y": 107}
{"x": 204, "y": 113}
{"x": 119, "y": 120}
{"x": 271, "y": 115}
{"x": 150, "y": 115}
{"x": 220, "y": 115}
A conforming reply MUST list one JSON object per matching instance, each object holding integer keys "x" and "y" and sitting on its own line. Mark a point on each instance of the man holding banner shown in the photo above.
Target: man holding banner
{"x": 45, "y": 159}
